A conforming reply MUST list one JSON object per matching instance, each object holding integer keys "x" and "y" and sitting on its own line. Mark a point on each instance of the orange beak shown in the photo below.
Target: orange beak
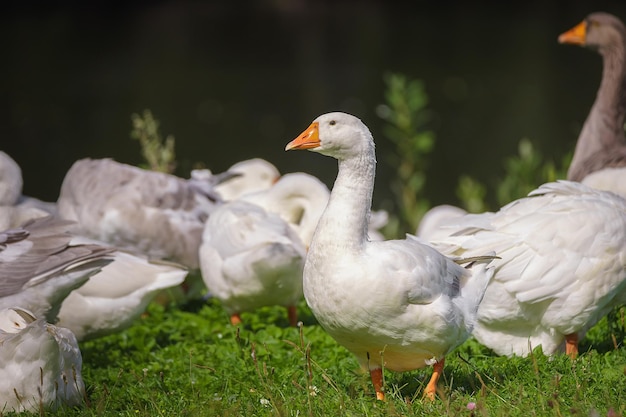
{"x": 308, "y": 139}
{"x": 576, "y": 35}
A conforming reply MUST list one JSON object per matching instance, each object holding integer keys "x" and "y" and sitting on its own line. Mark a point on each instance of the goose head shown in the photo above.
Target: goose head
{"x": 252, "y": 175}
{"x": 600, "y": 31}
{"x": 338, "y": 135}
{"x": 601, "y": 143}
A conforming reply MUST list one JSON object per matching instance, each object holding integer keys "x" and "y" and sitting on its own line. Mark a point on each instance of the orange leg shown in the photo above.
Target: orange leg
{"x": 235, "y": 319}
{"x": 431, "y": 388}
{"x": 571, "y": 345}
{"x": 377, "y": 380}
{"x": 292, "y": 314}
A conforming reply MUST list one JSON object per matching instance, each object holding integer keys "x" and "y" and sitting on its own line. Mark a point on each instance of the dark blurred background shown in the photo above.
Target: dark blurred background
{"x": 233, "y": 80}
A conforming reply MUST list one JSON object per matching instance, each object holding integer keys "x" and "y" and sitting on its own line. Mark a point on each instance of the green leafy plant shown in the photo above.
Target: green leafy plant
{"x": 407, "y": 115}
{"x": 158, "y": 152}
{"x": 522, "y": 173}
{"x": 472, "y": 194}
{"x": 525, "y": 172}
{"x": 406, "y": 112}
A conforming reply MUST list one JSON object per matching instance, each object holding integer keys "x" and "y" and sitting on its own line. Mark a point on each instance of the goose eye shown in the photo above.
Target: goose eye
{"x": 332, "y": 123}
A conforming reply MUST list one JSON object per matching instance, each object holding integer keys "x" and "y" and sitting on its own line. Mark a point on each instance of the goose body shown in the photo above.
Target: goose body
{"x": 39, "y": 266}
{"x": 153, "y": 213}
{"x": 600, "y": 155}
{"x": 434, "y": 218}
{"x": 114, "y": 298}
{"x": 561, "y": 266}
{"x": 398, "y": 304}
{"x": 251, "y": 258}
{"x": 608, "y": 179}
{"x": 16, "y": 216}
{"x": 40, "y": 364}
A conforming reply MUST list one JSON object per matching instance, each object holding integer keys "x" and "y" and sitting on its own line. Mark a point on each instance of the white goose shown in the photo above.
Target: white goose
{"x": 600, "y": 156}
{"x": 298, "y": 198}
{"x": 561, "y": 266}
{"x": 40, "y": 364}
{"x": 113, "y": 299}
{"x": 253, "y": 175}
{"x": 39, "y": 266}
{"x": 251, "y": 258}
{"x": 396, "y": 304}
{"x": 153, "y": 213}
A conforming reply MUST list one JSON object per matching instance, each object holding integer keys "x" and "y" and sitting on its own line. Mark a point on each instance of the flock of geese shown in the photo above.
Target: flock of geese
{"x": 540, "y": 271}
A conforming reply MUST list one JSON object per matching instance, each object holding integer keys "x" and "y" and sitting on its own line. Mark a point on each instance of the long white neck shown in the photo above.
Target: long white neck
{"x": 602, "y": 135}
{"x": 345, "y": 221}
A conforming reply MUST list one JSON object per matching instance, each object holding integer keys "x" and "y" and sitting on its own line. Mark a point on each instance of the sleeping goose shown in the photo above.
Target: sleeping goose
{"x": 40, "y": 364}
{"x": 248, "y": 250}
{"x": 39, "y": 266}
{"x": 250, "y": 258}
{"x": 114, "y": 297}
{"x": 600, "y": 155}
{"x": 153, "y": 213}
{"x": 396, "y": 304}
{"x": 561, "y": 266}
{"x": 298, "y": 198}
{"x": 254, "y": 174}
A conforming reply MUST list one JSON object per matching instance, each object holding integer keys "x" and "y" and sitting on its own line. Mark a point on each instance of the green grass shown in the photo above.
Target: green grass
{"x": 189, "y": 361}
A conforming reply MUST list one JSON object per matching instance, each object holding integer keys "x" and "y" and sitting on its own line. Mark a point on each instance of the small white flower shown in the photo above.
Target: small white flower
{"x": 265, "y": 402}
